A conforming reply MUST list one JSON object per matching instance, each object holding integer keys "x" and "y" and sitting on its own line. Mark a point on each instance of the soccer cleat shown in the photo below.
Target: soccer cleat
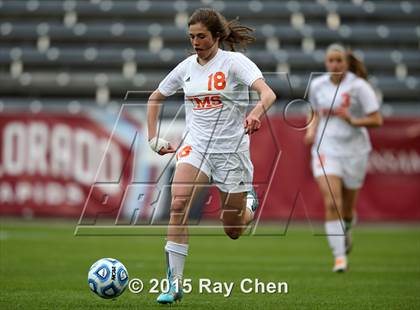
{"x": 340, "y": 264}
{"x": 171, "y": 296}
{"x": 174, "y": 293}
{"x": 252, "y": 200}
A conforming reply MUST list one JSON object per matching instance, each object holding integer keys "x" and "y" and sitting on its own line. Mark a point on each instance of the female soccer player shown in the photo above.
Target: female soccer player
{"x": 345, "y": 105}
{"x": 216, "y": 143}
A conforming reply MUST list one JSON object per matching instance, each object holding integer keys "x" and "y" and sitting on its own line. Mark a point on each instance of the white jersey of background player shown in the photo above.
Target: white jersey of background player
{"x": 341, "y": 138}
{"x": 216, "y": 148}
{"x": 345, "y": 105}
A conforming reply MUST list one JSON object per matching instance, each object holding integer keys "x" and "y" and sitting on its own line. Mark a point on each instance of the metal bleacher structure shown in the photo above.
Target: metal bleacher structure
{"x": 79, "y": 52}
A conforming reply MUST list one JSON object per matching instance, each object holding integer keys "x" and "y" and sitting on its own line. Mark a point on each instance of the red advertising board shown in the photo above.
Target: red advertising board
{"x": 49, "y": 161}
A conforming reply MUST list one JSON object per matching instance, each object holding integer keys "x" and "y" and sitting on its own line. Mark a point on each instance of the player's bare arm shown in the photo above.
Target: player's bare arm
{"x": 159, "y": 145}
{"x": 312, "y": 121}
{"x": 373, "y": 119}
{"x": 267, "y": 97}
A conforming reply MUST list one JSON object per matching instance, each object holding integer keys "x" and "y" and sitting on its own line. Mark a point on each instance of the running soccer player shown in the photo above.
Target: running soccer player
{"x": 345, "y": 105}
{"x": 216, "y": 142}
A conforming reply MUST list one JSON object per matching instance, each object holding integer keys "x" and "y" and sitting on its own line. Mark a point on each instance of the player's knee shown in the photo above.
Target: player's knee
{"x": 178, "y": 205}
{"x": 233, "y": 233}
{"x": 332, "y": 207}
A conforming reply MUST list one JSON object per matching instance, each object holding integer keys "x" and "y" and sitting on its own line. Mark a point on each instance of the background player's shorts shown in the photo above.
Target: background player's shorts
{"x": 352, "y": 169}
{"x": 230, "y": 172}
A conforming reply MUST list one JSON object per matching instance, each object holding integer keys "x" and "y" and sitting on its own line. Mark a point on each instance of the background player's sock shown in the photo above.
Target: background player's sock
{"x": 175, "y": 254}
{"x": 335, "y": 236}
{"x": 347, "y": 224}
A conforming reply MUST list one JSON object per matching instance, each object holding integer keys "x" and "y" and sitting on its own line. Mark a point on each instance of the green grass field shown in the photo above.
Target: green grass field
{"x": 44, "y": 266}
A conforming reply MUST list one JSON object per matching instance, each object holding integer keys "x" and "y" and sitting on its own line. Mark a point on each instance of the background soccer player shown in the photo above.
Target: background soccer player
{"x": 340, "y": 153}
{"x": 216, "y": 146}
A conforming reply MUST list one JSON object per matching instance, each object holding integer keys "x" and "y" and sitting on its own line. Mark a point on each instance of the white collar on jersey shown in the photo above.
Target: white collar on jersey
{"x": 348, "y": 77}
{"x": 210, "y": 61}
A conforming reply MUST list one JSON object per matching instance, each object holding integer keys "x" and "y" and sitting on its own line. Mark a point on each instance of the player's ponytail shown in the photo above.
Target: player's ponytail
{"x": 231, "y": 33}
{"x": 237, "y": 34}
{"x": 355, "y": 64}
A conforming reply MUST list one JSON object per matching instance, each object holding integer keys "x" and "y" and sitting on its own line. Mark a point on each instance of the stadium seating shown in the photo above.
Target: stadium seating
{"x": 99, "y": 49}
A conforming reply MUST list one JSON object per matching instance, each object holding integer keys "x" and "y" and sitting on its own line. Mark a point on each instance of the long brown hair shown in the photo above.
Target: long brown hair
{"x": 355, "y": 64}
{"x": 231, "y": 33}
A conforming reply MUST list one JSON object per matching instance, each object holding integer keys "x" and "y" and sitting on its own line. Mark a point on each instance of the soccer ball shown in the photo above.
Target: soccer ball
{"x": 108, "y": 278}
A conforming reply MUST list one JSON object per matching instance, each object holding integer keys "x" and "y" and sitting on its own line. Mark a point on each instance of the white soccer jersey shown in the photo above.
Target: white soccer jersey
{"x": 216, "y": 100}
{"x": 339, "y": 137}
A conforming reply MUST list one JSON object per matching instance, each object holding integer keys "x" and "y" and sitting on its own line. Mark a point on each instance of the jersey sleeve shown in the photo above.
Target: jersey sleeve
{"x": 245, "y": 70}
{"x": 367, "y": 97}
{"x": 311, "y": 95}
{"x": 173, "y": 81}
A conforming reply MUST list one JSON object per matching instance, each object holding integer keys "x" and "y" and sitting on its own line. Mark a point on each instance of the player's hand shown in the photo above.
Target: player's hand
{"x": 309, "y": 138}
{"x": 168, "y": 150}
{"x": 343, "y": 113}
{"x": 251, "y": 124}
{"x": 161, "y": 146}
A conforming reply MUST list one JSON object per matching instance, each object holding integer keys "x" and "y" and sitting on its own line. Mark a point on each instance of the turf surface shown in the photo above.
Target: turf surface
{"x": 44, "y": 266}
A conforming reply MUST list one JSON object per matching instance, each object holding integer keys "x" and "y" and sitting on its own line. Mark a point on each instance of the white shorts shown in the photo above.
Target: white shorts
{"x": 352, "y": 169}
{"x": 230, "y": 172}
